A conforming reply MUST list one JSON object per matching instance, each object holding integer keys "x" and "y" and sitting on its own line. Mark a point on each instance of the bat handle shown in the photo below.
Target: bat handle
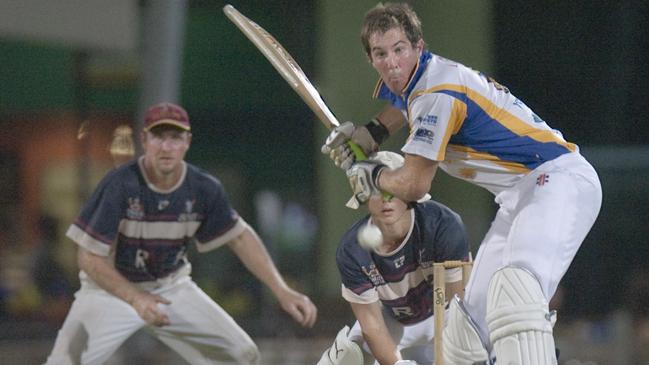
{"x": 360, "y": 156}
{"x": 358, "y": 152}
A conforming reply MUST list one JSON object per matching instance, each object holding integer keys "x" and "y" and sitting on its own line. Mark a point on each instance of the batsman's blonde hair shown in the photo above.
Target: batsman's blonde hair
{"x": 384, "y": 17}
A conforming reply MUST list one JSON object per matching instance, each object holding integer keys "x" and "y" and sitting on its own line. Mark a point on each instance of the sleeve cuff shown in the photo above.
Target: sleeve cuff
{"x": 228, "y": 236}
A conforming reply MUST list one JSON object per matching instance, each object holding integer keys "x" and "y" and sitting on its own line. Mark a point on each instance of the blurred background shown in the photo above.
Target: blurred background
{"x": 71, "y": 71}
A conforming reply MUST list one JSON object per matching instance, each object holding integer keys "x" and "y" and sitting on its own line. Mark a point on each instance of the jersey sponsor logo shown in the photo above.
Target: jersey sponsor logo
{"x": 135, "y": 209}
{"x": 188, "y": 215}
{"x": 424, "y": 135}
{"x": 429, "y": 120}
{"x": 373, "y": 274}
{"x": 399, "y": 261}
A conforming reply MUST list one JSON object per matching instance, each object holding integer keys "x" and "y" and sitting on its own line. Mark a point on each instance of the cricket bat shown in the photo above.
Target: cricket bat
{"x": 288, "y": 69}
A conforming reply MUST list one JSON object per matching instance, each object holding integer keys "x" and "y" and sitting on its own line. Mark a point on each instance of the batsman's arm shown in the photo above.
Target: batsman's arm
{"x": 108, "y": 278}
{"x": 391, "y": 118}
{"x": 376, "y": 333}
{"x": 249, "y": 248}
{"x": 411, "y": 181}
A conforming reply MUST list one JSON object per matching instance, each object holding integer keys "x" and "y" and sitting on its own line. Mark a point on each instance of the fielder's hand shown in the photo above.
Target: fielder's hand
{"x": 363, "y": 177}
{"x": 146, "y": 306}
{"x": 339, "y": 151}
{"x": 299, "y": 306}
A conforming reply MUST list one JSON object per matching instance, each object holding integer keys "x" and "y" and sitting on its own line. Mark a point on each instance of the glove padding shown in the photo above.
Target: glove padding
{"x": 339, "y": 151}
{"x": 363, "y": 177}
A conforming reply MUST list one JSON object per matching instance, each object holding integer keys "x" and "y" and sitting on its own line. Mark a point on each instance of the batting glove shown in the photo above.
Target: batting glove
{"x": 405, "y": 362}
{"x": 367, "y": 137}
{"x": 363, "y": 177}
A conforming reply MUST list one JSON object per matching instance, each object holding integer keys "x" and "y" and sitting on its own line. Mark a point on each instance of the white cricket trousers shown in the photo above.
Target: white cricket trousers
{"x": 540, "y": 225}
{"x": 415, "y": 341}
{"x": 200, "y": 331}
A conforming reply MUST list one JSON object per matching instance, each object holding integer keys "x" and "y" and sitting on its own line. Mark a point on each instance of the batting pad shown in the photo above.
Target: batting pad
{"x": 518, "y": 319}
{"x": 462, "y": 345}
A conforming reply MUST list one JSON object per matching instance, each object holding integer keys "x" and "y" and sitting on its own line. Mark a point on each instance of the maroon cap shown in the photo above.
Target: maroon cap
{"x": 166, "y": 113}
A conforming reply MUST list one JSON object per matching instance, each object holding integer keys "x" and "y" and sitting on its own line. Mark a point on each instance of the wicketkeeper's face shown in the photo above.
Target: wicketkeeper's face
{"x": 386, "y": 209}
{"x": 165, "y": 148}
{"x": 394, "y": 58}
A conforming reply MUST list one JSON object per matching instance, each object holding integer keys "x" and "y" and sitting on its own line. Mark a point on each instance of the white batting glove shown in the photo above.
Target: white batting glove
{"x": 339, "y": 151}
{"x": 406, "y": 362}
{"x": 363, "y": 177}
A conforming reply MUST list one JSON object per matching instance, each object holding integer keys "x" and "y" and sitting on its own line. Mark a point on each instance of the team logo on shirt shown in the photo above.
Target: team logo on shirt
{"x": 429, "y": 119}
{"x": 467, "y": 173}
{"x": 424, "y": 135}
{"x": 163, "y": 204}
{"x": 373, "y": 273}
{"x": 189, "y": 214}
{"x": 135, "y": 209}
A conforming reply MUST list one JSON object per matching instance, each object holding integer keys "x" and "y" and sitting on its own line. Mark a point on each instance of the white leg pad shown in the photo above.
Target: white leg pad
{"x": 518, "y": 319}
{"x": 343, "y": 351}
{"x": 461, "y": 343}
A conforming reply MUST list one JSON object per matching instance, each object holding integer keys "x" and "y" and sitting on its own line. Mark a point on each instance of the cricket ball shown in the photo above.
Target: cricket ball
{"x": 370, "y": 236}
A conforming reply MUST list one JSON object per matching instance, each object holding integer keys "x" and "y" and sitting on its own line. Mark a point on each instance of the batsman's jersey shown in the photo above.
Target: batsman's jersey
{"x": 472, "y": 125}
{"x": 402, "y": 279}
{"x": 148, "y": 230}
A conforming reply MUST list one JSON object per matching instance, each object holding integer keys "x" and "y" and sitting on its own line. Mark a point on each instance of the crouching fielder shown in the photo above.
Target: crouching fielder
{"x": 388, "y": 284}
{"x": 133, "y": 236}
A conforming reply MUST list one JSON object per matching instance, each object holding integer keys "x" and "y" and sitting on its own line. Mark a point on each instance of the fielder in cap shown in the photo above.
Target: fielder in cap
{"x": 389, "y": 284}
{"x": 475, "y": 129}
{"x": 133, "y": 235}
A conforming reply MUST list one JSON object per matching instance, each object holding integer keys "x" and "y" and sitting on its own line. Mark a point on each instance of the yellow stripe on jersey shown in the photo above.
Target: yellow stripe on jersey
{"x": 499, "y": 115}
{"x": 458, "y": 114}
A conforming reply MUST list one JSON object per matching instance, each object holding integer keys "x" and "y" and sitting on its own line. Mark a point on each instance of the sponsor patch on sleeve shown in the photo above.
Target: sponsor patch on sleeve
{"x": 427, "y": 120}
{"x": 424, "y": 135}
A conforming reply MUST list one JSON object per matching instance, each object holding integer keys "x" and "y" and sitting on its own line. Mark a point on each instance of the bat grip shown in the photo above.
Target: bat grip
{"x": 360, "y": 156}
{"x": 358, "y": 152}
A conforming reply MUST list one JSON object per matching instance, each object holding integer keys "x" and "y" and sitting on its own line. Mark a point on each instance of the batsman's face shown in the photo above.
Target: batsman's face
{"x": 386, "y": 210}
{"x": 165, "y": 148}
{"x": 394, "y": 58}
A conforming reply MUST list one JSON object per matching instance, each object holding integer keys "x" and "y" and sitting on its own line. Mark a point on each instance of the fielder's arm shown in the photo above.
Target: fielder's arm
{"x": 108, "y": 278}
{"x": 376, "y": 333}
{"x": 249, "y": 248}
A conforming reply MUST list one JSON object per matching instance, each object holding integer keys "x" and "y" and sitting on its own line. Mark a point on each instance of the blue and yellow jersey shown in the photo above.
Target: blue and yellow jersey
{"x": 472, "y": 125}
{"x": 402, "y": 279}
{"x": 148, "y": 230}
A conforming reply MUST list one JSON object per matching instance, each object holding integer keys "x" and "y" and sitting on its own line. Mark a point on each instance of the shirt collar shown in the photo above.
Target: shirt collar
{"x": 381, "y": 91}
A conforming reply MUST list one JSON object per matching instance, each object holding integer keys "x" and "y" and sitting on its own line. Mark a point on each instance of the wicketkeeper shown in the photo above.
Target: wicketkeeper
{"x": 389, "y": 286}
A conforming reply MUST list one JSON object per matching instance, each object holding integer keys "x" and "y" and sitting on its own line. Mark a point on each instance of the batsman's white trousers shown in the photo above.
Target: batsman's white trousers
{"x": 539, "y": 226}
{"x": 200, "y": 330}
{"x": 415, "y": 342}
